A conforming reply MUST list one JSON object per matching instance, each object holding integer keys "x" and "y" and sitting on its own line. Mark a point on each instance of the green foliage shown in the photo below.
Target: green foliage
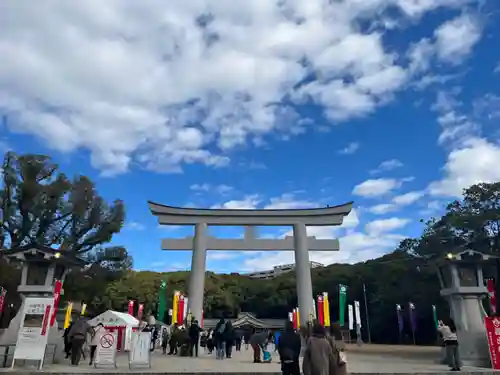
{"x": 40, "y": 205}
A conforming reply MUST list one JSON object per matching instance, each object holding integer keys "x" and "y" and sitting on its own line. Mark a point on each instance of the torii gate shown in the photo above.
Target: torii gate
{"x": 300, "y": 242}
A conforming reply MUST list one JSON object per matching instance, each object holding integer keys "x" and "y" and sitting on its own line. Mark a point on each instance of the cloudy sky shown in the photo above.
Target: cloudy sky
{"x": 258, "y": 104}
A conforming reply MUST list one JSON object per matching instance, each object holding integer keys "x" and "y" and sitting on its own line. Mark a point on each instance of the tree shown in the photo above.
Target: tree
{"x": 40, "y": 205}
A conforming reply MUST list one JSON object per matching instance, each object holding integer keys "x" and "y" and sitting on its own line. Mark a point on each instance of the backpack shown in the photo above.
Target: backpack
{"x": 222, "y": 328}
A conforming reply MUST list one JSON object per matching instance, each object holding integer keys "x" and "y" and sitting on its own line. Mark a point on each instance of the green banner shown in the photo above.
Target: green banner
{"x": 342, "y": 303}
{"x": 434, "y": 315}
{"x": 161, "y": 301}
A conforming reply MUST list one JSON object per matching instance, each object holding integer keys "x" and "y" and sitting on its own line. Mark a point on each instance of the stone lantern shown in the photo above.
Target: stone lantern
{"x": 462, "y": 284}
{"x": 40, "y": 267}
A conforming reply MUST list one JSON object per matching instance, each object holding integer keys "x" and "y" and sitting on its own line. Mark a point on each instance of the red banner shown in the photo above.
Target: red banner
{"x": 295, "y": 325}
{"x": 180, "y": 310}
{"x": 57, "y": 297}
{"x": 493, "y": 298}
{"x": 321, "y": 310}
{"x": 3, "y": 295}
{"x": 45, "y": 321}
{"x": 493, "y": 333}
{"x": 140, "y": 311}
{"x": 131, "y": 307}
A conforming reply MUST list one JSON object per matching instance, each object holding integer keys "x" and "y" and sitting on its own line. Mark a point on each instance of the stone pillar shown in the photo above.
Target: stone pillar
{"x": 198, "y": 267}
{"x": 303, "y": 273}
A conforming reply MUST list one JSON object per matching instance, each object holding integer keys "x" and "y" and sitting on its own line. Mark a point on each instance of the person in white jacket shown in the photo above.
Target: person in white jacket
{"x": 99, "y": 331}
{"x": 449, "y": 332}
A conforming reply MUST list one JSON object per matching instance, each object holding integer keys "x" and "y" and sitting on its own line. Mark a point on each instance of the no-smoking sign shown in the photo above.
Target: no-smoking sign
{"x": 107, "y": 341}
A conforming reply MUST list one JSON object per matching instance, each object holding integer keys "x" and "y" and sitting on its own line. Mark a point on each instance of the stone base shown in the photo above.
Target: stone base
{"x": 474, "y": 350}
{"x": 55, "y": 339}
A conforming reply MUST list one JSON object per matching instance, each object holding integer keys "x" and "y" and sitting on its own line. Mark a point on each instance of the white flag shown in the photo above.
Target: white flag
{"x": 351, "y": 316}
{"x": 357, "y": 313}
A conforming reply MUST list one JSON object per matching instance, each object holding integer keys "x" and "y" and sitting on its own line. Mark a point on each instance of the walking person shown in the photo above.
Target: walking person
{"x": 238, "y": 337}
{"x": 258, "y": 342}
{"x": 174, "y": 338}
{"x": 67, "y": 342}
{"x": 95, "y": 338}
{"x": 164, "y": 340}
{"x": 319, "y": 358}
{"x": 229, "y": 338}
{"x": 289, "y": 345}
{"x": 338, "y": 345}
{"x": 77, "y": 335}
{"x": 194, "y": 337}
{"x": 220, "y": 339}
{"x": 449, "y": 332}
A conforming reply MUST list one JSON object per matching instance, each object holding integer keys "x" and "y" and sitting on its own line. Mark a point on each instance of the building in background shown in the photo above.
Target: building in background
{"x": 279, "y": 270}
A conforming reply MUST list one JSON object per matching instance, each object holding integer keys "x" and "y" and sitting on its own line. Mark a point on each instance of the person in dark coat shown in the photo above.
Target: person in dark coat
{"x": 77, "y": 336}
{"x": 229, "y": 337}
{"x": 238, "y": 337}
{"x": 67, "y": 342}
{"x": 289, "y": 345}
{"x": 220, "y": 338}
{"x": 174, "y": 336}
{"x": 194, "y": 336}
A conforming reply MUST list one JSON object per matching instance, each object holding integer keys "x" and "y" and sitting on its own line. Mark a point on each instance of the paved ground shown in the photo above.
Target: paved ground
{"x": 362, "y": 360}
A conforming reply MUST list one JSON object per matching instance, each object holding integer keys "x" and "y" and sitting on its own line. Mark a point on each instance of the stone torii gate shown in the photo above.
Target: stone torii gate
{"x": 300, "y": 243}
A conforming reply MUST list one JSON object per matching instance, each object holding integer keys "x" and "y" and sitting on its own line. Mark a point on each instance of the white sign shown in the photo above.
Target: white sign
{"x": 128, "y": 338}
{"x": 34, "y": 330}
{"x": 351, "y": 317}
{"x": 139, "y": 355}
{"x": 357, "y": 313}
{"x": 105, "y": 355}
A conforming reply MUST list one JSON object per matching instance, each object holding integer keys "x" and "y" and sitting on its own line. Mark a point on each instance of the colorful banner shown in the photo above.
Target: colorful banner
{"x": 84, "y": 309}
{"x": 492, "y": 328}
{"x": 400, "y": 319}
{"x": 180, "y": 311}
{"x": 298, "y": 318}
{"x": 342, "y": 303}
{"x": 140, "y": 311}
{"x": 434, "y": 315}
{"x": 321, "y": 311}
{"x": 492, "y": 293}
{"x": 175, "y": 307}
{"x": 185, "y": 311}
{"x": 350, "y": 311}
{"x": 413, "y": 316}
{"x": 161, "y": 301}
{"x": 131, "y": 307}
{"x": 294, "y": 318}
{"x": 326, "y": 309}
{"x": 3, "y": 296}
{"x": 67, "y": 318}
{"x": 57, "y": 297}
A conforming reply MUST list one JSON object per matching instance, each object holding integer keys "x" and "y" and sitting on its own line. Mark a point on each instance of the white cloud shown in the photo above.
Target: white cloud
{"x": 287, "y": 202}
{"x": 378, "y": 227}
{"x": 350, "y": 149}
{"x": 377, "y": 187}
{"x": 387, "y": 165}
{"x": 456, "y": 38}
{"x": 134, "y": 225}
{"x": 397, "y": 202}
{"x": 161, "y": 84}
{"x": 205, "y": 187}
{"x": 475, "y": 161}
{"x": 249, "y": 202}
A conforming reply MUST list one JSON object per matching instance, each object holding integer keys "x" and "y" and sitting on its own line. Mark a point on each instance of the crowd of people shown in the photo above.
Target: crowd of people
{"x": 323, "y": 351}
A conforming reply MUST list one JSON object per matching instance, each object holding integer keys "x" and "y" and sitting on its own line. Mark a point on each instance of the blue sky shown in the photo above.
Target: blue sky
{"x": 389, "y": 103}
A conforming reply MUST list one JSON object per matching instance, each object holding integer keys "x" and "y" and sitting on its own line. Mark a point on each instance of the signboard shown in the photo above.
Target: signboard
{"x": 128, "y": 338}
{"x": 33, "y": 332}
{"x": 105, "y": 355}
{"x": 140, "y": 355}
{"x": 493, "y": 333}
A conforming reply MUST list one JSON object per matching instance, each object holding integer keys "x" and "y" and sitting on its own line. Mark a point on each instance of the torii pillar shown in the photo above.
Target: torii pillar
{"x": 300, "y": 242}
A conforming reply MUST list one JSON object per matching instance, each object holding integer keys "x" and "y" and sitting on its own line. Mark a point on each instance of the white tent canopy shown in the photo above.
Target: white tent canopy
{"x": 115, "y": 318}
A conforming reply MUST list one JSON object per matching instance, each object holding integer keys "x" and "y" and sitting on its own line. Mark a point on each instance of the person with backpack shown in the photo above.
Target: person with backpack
{"x": 220, "y": 339}
{"x": 289, "y": 345}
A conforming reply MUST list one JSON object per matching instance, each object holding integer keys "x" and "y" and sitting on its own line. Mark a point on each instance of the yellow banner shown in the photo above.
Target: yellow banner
{"x": 67, "y": 319}
{"x": 326, "y": 309}
{"x": 175, "y": 308}
{"x": 298, "y": 318}
{"x": 84, "y": 308}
